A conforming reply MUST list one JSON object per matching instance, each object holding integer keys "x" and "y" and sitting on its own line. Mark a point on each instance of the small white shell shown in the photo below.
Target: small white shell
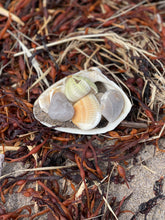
{"x": 95, "y": 75}
{"x": 112, "y": 104}
{"x": 87, "y": 112}
{"x": 60, "y": 108}
{"x": 45, "y": 97}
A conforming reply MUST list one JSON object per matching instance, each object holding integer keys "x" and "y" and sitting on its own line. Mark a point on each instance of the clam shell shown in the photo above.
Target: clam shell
{"x": 112, "y": 103}
{"x": 45, "y": 98}
{"x": 95, "y": 75}
{"x": 87, "y": 112}
{"x": 77, "y": 87}
{"x": 60, "y": 108}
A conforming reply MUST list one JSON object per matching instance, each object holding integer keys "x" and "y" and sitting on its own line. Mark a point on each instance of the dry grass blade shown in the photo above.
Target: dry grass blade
{"x": 108, "y": 185}
{"x": 6, "y": 148}
{"x": 124, "y": 11}
{"x": 2, "y": 156}
{"x": 34, "y": 62}
{"x": 95, "y": 37}
{"x": 40, "y": 78}
{"x": 106, "y": 202}
{"x": 155, "y": 137}
{"x": 36, "y": 169}
{"x": 15, "y": 18}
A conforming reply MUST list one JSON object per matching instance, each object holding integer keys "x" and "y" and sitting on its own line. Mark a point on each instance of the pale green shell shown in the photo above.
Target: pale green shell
{"x": 77, "y": 87}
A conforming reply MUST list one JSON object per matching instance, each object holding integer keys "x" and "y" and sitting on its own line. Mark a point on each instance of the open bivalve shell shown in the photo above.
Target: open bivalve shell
{"x": 99, "y": 107}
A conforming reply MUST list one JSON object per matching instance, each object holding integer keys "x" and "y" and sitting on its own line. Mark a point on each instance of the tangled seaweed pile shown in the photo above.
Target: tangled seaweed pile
{"x": 41, "y": 43}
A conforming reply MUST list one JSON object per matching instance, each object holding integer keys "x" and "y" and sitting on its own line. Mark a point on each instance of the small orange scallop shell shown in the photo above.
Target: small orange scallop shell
{"x": 87, "y": 112}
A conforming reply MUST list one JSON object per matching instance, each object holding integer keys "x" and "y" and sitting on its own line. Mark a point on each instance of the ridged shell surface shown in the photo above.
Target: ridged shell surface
{"x": 77, "y": 87}
{"x": 87, "y": 112}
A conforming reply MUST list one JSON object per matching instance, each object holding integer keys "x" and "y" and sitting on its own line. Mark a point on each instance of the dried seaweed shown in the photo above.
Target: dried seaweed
{"x": 44, "y": 41}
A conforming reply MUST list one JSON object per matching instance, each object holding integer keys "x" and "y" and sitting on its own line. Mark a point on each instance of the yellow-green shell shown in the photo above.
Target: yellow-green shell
{"x": 77, "y": 87}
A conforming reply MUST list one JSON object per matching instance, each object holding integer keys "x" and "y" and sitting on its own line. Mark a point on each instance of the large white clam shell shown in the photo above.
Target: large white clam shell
{"x": 95, "y": 75}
